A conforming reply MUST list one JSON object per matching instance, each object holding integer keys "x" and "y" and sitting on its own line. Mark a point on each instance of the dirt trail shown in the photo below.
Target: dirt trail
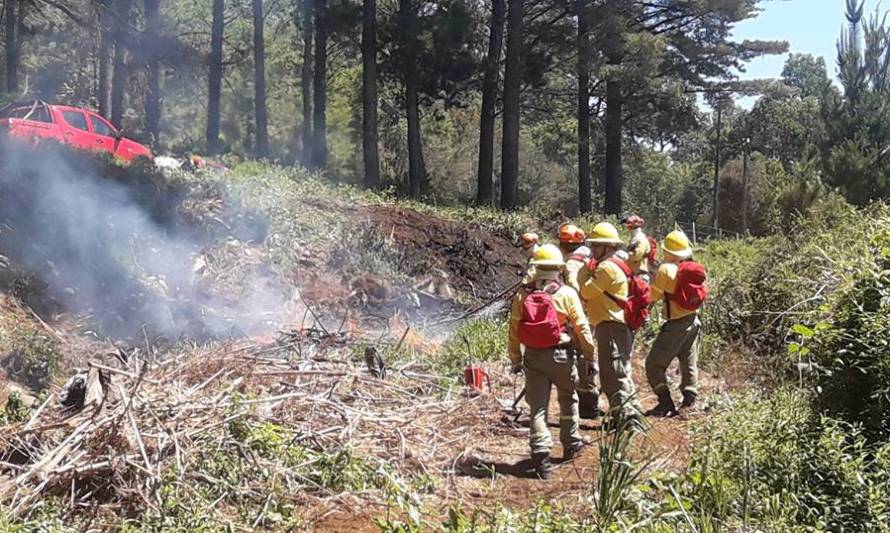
{"x": 499, "y": 451}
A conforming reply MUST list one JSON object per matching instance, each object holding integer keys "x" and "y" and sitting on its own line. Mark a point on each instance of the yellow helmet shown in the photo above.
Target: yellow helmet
{"x": 548, "y": 255}
{"x": 604, "y": 233}
{"x": 677, "y": 244}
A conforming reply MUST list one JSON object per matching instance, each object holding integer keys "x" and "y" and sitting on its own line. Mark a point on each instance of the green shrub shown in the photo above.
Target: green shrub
{"x": 773, "y": 463}
{"x": 15, "y": 410}
{"x": 761, "y": 288}
{"x": 851, "y": 345}
{"x": 33, "y": 356}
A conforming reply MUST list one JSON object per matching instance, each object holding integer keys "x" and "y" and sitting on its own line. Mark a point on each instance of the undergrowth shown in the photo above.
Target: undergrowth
{"x": 477, "y": 341}
{"x": 29, "y": 355}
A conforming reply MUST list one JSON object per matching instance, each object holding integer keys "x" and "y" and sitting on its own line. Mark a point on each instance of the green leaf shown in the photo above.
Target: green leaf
{"x": 803, "y": 331}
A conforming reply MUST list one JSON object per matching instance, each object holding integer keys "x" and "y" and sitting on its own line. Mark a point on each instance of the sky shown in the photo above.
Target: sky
{"x": 809, "y": 26}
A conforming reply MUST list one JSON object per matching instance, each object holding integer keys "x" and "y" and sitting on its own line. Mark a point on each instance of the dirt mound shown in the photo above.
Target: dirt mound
{"x": 477, "y": 261}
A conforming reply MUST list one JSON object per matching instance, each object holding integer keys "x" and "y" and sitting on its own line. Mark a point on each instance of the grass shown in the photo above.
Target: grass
{"x": 29, "y": 355}
{"x": 476, "y": 341}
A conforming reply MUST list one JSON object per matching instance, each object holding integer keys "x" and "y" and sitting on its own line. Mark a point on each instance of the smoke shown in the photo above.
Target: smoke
{"x": 100, "y": 250}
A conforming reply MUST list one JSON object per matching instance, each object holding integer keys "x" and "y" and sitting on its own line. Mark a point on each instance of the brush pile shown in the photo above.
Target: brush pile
{"x": 223, "y": 420}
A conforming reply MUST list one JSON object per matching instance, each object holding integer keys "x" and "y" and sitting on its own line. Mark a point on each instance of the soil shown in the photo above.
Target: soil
{"x": 491, "y": 466}
{"x": 477, "y": 261}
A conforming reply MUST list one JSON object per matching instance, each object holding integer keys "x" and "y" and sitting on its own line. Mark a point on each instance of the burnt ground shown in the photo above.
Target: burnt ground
{"x": 479, "y": 262}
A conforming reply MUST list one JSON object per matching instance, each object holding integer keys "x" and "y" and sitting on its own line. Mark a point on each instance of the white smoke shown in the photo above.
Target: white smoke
{"x": 99, "y": 250}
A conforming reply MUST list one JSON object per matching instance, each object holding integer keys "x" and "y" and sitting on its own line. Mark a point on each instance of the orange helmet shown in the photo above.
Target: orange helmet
{"x": 571, "y": 234}
{"x": 527, "y": 240}
{"x": 633, "y": 222}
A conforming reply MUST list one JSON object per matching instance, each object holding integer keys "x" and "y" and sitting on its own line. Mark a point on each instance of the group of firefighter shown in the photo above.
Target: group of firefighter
{"x": 574, "y": 320}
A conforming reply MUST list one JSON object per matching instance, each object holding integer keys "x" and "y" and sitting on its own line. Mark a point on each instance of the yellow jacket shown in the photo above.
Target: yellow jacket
{"x": 608, "y": 278}
{"x": 639, "y": 243}
{"x": 572, "y": 268}
{"x": 569, "y": 310}
{"x": 666, "y": 282}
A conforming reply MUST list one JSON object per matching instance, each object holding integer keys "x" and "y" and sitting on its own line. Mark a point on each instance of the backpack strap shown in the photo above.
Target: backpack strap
{"x": 667, "y": 295}
{"x": 627, "y": 272}
{"x": 622, "y": 265}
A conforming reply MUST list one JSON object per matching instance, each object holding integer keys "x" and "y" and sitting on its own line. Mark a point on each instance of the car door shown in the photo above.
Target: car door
{"x": 104, "y": 139}
{"x": 76, "y": 132}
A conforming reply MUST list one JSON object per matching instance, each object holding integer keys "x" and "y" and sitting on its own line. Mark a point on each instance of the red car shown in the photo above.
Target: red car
{"x": 80, "y": 129}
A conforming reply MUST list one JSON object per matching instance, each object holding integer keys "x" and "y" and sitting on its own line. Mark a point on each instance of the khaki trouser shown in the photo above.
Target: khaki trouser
{"x": 544, "y": 367}
{"x": 587, "y": 378}
{"x": 677, "y": 339}
{"x": 613, "y": 344}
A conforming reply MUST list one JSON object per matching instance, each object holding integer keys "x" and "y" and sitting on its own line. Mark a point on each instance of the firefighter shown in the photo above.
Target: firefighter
{"x": 538, "y": 342}
{"x": 571, "y": 244}
{"x": 602, "y": 291}
{"x": 575, "y": 261}
{"x": 680, "y": 283}
{"x": 641, "y": 249}
{"x": 529, "y": 243}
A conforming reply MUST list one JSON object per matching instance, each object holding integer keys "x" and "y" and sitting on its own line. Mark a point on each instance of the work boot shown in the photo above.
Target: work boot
{"x": 689, "y": 398}
{"x": 569, "y": 452}
{"x": 665, "y": 407}
{"x": 588, "y": 406}
{"x": 541, "y": 463}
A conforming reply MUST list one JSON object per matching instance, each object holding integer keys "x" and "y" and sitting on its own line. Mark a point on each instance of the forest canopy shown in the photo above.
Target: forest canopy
{"x": 583, "y": 106}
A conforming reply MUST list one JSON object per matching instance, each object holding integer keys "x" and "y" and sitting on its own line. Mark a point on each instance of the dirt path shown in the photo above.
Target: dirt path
{"x": 491, "y": 466}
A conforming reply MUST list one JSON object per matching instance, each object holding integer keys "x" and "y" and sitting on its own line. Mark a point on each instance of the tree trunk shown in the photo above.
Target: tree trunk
{"x": 319, "y": 88}
{"x": 214, "y": 89}
{"x": 512, "y": 83}
{"x": 485, "y": 187}
{"x": 106, "y": 40}
{"x": 119, "y": 72}
{"x": 306, "y": 81}
{"x": 584, "y": 192}
{"x": 614, "y": 122}
{"x": 416, "y": 165}
{"x": 259, "y": 81}
{"x": 370, "y": 152}
{"x": 153, "y": 89}
{"x": 745, "y": 190}
{"x": 407, "y": 18}
{"x": 12, "y": 48}
{"x": 716, "y": 206}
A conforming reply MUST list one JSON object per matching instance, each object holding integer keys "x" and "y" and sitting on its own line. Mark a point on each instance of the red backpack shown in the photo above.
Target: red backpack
{"x": 691, "y": 291}
{"x": 539, "y": 326}
{"x": 653, "y": 250}
{"x": 636, "y": 307}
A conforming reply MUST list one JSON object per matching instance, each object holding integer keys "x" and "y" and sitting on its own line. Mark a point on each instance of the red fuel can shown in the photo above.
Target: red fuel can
{"x": 475, "y": 376}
